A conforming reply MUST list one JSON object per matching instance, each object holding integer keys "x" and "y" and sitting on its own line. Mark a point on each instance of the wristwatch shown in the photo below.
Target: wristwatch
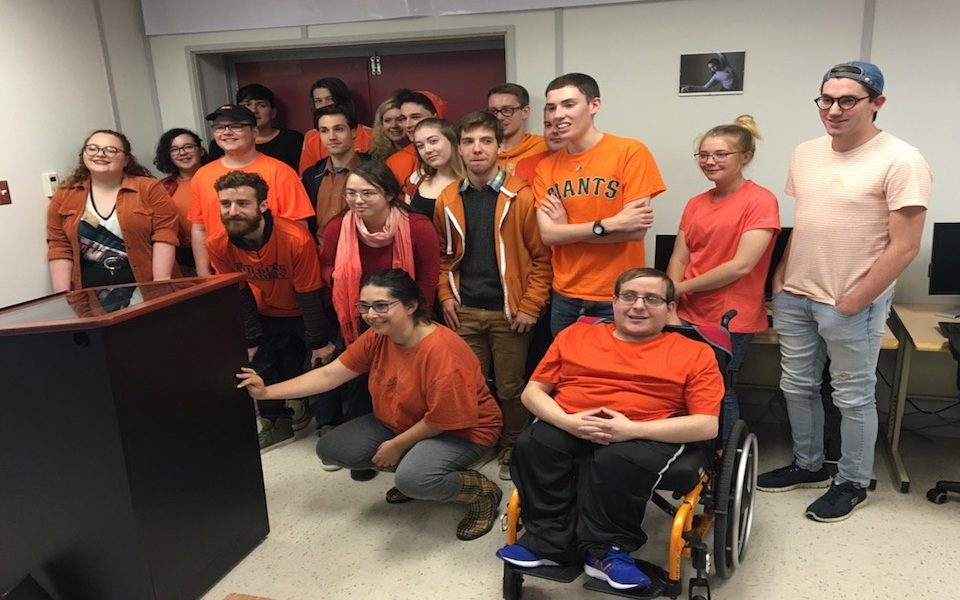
{"x": 599, "y": 229}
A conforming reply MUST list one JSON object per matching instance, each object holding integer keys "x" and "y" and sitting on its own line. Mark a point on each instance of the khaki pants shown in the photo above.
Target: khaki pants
{"x": 488, "y": 334}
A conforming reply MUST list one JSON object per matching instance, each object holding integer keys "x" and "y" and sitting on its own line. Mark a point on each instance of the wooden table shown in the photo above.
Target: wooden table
{"x": 915, "y": 326}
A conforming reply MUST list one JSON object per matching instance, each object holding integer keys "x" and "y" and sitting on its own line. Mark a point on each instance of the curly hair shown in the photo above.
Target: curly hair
{"x": 81, "y": 173}
{"x": 162, "y": 159}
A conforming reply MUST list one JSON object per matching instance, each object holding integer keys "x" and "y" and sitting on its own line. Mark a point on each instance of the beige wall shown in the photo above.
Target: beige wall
{"x": 55, "y": 92}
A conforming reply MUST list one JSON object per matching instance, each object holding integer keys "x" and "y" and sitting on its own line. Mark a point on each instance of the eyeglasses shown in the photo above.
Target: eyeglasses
{"x": 365, "y": 194}
{"x": 825, "y": 102}
{"x": 234, "y": 127}
{"x": 108, "y": 151}
{"x": 650, "y": 300}
{"x": 184, "y": 149}
{"x": 379, "y": 307}
{"x": 506, "y": 111}
{"x": 720, "y": 156}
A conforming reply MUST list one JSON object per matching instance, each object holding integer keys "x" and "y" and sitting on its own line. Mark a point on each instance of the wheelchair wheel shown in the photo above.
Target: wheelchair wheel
{"x": 734, "y": 499}
{"x": 512, "y": 584}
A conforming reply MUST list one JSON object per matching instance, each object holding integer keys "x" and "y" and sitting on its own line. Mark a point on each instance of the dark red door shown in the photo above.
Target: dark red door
{"x": 462, "y": 78}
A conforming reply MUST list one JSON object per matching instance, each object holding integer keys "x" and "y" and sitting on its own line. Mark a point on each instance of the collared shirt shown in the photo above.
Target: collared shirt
{"x": 330, "y": 201}
{"x": 495, "y": 183}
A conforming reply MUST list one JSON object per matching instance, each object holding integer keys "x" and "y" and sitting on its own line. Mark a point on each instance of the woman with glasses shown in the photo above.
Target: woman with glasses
{"x": 388, "y": 133}
{"x": 375, "y": 232}
{"x": 438, "y": 165}
{"x": 723, "y": 248}
{"x": 432, "y": 412}
{"x": 109, "y": 223}
{"x": 179, "y": 154}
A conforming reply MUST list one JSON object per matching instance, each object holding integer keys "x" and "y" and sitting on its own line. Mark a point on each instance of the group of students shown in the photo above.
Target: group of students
{"x": 493, "y": 230}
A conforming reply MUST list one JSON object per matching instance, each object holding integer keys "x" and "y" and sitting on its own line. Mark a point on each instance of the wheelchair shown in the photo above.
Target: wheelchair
{"x": 713, "y": 486}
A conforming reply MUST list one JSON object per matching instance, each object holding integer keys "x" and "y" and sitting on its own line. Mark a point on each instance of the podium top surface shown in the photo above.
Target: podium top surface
{"x": 95, "y": 308}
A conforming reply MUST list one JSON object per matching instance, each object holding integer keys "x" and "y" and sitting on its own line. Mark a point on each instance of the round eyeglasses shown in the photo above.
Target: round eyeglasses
{"x": 826, "y": 102}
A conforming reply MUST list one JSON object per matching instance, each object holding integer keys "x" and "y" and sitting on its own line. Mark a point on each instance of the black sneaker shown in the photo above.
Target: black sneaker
{"x": 275, "y": 434}
{"x": 837, "y": 504}
{"x": 792, "y": 477}
{"x": 362, "y": 474}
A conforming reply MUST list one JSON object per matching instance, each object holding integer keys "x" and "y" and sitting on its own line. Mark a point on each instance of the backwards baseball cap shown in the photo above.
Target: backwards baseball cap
{"x": 236, "y": 112}
{"x": 866, "y": 73}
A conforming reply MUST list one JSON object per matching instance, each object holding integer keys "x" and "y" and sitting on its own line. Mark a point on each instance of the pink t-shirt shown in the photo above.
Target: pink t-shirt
{"x": 844, "y": 200}
{"x": 712, "y": 231}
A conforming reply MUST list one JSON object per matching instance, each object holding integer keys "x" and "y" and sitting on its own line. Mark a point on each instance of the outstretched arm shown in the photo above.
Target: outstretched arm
{"x": 312, "y": 382}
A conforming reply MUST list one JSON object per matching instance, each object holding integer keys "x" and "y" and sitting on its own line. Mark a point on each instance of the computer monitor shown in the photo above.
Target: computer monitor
{"x": 944, "y": 268}
{"x": 778, "y": 249}
{"x": 662, "y": 250}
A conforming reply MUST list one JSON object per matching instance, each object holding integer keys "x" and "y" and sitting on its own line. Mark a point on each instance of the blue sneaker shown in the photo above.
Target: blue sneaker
{"x": 617, "y": 569}
{"x": 837, "y": 504}
{"x": 517, "y": 555}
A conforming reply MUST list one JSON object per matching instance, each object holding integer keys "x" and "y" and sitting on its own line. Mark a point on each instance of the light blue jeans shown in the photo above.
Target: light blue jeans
{"x": 810, "y": 332}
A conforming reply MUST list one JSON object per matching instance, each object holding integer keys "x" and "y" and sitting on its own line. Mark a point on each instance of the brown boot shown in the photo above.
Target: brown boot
{"x": 483, "y": 499}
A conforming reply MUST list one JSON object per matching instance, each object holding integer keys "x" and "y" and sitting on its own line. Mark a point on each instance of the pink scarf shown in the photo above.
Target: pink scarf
{"x": 347, "y": 269}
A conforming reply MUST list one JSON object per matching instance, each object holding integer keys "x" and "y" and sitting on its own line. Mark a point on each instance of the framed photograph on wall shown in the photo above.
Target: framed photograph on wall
{"x": 712, "y": 73}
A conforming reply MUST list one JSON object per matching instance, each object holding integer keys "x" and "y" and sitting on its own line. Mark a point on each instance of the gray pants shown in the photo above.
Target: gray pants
{"x": 428, "y": 471}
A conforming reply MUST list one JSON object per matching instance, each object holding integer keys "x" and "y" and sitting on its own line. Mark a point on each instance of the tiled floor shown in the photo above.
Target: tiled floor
{"x": 335, "y": 538}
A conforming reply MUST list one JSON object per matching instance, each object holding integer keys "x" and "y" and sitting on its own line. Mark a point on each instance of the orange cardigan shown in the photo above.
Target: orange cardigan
{"x": 146, "y": 215}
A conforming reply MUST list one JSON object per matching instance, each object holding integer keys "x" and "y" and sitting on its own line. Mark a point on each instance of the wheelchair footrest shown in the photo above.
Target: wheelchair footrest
{"x": 658, "y": 582}
{"x": 563, "y": 574}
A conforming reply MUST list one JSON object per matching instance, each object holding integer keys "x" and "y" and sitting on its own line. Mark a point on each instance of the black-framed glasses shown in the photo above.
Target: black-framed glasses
{"x": 649, "y": 300}
{"x": 234, "y": 127}
{"x": 379, "y": 307}
{"x": 108, "y": 151}
{"x": 184, "y": 149}
{"x": 826, "y": 102}
{"x": 365, "y": 194}
{"x": 718, "y": 156}
{"x": 506, "y": 111}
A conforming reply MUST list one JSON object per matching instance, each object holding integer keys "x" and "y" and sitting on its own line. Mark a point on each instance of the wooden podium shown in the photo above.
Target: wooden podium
{"x": 129, "y": 463}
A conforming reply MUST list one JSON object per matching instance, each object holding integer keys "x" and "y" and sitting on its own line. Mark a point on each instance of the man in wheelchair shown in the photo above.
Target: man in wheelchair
{"x": 615, "y": 404}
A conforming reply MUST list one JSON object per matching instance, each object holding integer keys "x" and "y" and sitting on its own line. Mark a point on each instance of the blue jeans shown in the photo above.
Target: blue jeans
{"x": 565, "y": 311}
{"x": 809, "y": 332}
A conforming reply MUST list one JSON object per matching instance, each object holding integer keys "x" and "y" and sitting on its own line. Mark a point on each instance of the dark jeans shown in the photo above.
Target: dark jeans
{"x": 349, "y": 401}
{"x": 578, "y": 497}
{"x": 282, "y": 354}
{"x": 565, "y": 311}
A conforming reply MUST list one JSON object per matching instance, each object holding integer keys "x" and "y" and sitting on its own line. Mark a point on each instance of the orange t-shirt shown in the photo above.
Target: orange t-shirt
{"x": 285, "y": 194}
{"x": 595, "y": 184}
{"x": 668, "y": 376}
{"x": 438, "y": 380}
{"x": 181, "y": 199}
{"x": 287, "y": 263}
{"x": 314, "y": 151}
{"x": 527, "y": 167}
{"x": 403, "y": 162}
{"x": 530, "y": 144}
{"x": 712, "y": 231}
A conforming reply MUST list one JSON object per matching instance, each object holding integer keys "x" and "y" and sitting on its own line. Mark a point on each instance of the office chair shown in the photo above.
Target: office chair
{"x": 938, "y": 493}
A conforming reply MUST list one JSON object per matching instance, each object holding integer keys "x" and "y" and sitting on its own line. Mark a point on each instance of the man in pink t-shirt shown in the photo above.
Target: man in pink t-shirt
{"x": 861, "y": 197}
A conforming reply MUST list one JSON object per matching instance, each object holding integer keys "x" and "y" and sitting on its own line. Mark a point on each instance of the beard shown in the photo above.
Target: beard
{"x": 241, "y": 227}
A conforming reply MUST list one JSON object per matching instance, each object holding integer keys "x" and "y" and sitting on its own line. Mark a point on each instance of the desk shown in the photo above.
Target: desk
{"x": 915, "y": 325}
{"x": 770, "y": 338}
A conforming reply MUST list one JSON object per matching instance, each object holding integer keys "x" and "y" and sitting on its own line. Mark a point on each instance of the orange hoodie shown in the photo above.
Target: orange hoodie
{"x": 530, "y": 144}
{"x": 523, "y": 259}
